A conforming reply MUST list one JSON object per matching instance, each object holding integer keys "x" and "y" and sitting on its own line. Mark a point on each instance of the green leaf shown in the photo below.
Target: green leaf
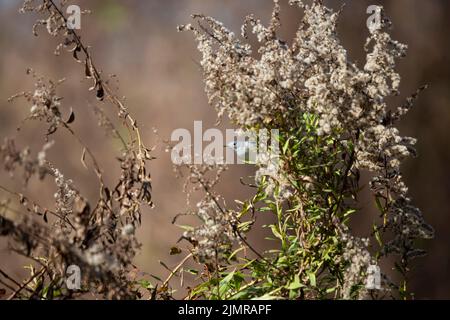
{"x": 312, "y": 278}
{"x": 330, "y": 290}
{"x": 145, "y": 284}
{"x": 294, "y": 285}
{"x": 245, "y": 226}
{"x": 235, "y": 252}
{"x": 286, "y": 145}
{"x": 276, "y": 231}
{"x": 192, "y": 271}
{"x": 224, "y": 284}
{"x": 184, "y": 227}
{"x": 377, "y": 235}
{"x": 379, "y": 205}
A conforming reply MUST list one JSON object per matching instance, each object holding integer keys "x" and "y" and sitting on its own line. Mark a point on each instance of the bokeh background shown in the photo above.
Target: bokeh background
{"x": 158, "y": 72}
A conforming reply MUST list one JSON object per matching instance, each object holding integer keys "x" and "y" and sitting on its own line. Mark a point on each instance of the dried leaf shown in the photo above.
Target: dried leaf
{"x": 67, "y": 42}
{"x": 175, "y": 251}
{"x": 71, "y": 117}
{"x": 100, "y": 93}
{"x": 75, "y": 53}
{"x": 87, "y": 70}
{"x": 23, "y": 200}
{"x": 164, "y": 265}
{"x": 83, "y": 158}
{"x": 52, "y": 129}
{"x": 107, "y": 193}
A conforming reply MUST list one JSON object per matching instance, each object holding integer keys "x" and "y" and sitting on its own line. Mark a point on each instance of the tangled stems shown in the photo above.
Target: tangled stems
{"x": 98, "y": 237}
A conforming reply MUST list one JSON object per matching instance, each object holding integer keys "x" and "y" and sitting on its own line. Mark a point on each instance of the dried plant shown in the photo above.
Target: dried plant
{"x": 97, "y": 236}
{"x": 334, "y": 122}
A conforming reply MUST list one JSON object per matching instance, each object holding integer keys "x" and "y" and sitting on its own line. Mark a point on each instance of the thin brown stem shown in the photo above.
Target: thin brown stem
{"x": 175, "y": 270}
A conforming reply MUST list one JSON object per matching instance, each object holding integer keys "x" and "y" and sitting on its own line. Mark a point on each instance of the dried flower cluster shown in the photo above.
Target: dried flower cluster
{"x": 314, "y": 77}
{"x": 360, "y": 259}
{"x": 13, "y": 158}
{"x": 213, "y": 239}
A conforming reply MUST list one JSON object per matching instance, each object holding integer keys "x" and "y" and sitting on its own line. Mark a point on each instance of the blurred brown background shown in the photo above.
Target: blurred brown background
{"x": 159, "y": 75}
